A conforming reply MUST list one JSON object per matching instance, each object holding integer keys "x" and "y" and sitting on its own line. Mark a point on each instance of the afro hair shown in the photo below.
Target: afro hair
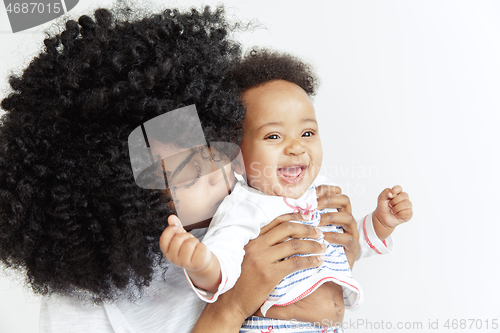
{"x": 263, "y": 65}
{"x": 71, "y": 215}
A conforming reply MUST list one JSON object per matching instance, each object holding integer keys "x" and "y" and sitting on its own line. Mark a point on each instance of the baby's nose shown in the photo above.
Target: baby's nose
{"x": 294, "y": 148}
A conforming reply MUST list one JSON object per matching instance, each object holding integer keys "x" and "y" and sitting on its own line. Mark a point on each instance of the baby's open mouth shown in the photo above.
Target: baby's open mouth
{"x": 292, "y": 174}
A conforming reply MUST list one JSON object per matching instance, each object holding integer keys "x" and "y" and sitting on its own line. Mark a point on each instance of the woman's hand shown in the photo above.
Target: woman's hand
{"x": 328, "y": 295}
{"x": 262, "y": 269}
{"x": 332, "y": 197}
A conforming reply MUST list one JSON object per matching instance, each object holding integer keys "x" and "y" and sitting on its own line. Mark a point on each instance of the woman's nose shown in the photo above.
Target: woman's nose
{"x": 294, "y": 147}
{"x": 216, "y": 176}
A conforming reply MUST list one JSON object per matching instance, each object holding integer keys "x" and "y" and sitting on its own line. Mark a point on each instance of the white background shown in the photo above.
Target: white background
{"x": 410, "y": 95}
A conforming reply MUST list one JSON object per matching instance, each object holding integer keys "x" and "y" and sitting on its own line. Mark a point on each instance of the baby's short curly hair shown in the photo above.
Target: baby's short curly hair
{"x": 263, "y": 65}
{"x": 71, "y": 215}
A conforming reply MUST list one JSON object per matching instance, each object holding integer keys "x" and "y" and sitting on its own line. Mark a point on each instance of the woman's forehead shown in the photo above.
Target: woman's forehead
{"x": 167, "y": 150}
{"x": 172, "y": 155}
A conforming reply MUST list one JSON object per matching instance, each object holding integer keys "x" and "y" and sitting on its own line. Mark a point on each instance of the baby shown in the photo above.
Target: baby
{"x": 282, "y": 156}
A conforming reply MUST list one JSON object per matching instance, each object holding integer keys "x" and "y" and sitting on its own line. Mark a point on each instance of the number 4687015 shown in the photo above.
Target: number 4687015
{"x": 33, "y": 7}
{"x": 471, "y": 323}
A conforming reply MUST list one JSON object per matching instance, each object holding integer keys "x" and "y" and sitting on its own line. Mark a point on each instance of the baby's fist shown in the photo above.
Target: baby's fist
{"x": 394, "y": 207}
{"x": 183, "y": 249}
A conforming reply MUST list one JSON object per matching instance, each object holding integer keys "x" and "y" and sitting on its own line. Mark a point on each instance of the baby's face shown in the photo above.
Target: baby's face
{"x": 281, "y": 146}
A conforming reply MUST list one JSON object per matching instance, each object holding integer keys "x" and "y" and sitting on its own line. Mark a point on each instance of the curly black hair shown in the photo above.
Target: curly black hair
{"x": 71, "y": 216}
{"x": 263, "y": 65}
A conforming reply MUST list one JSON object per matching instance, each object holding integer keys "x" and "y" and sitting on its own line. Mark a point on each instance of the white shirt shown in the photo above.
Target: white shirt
{"x": 240, "y": 218}
{"x": 167, "y": 305}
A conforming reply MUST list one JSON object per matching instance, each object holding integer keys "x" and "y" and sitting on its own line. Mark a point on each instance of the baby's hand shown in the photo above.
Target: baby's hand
{"x": 394, "y": 207}
{"x": 183, "y": 249}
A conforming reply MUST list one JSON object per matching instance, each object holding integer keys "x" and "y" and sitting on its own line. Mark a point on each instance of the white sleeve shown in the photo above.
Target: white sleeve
{"x": 368, "y": 240}
{"x": 226, "y": 237}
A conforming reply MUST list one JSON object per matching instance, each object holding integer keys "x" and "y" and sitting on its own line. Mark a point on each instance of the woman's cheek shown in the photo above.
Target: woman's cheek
{"x": 192, "y": 206}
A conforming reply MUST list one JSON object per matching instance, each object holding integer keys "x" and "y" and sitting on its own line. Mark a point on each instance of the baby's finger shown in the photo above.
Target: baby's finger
{"x": 167, "y": 235}
{"x": 201, "y": 257}
{"x": 186, "y": 252}
{"x": 174, "y": 221}
{"x": 395, "y": 191}
{"x": 405, "y": 214}
{"x": 405, "y": 204}
{"x": 295, "y": 246}
{"x": 401, "y": 197}
{"x": 176, "y": 244}
{"x": 385, "y": 195}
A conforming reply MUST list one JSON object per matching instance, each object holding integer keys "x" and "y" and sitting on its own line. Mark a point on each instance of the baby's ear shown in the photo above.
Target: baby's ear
{"x": 237, "y": 164}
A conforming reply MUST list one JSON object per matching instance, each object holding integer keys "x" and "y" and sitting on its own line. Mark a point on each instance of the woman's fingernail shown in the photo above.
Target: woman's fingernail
{"x": 319, "y": 232}
{"x": 323, "y": 246}
{"x": 321, "y": 257}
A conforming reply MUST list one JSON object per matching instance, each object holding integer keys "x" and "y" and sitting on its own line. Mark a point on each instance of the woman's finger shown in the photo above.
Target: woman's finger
{"x": 348, "y": 241}
{"x": 327, "y": 190}
{"x": 280, "y": 219}
{"x": 341, "y": 219}
{"x": 293, "y": 247}
{"x": 290, "y": 265}
{"x": 339, "y": 201}
{"x": 344, "y": 239}
{"x": 286, "y": 230}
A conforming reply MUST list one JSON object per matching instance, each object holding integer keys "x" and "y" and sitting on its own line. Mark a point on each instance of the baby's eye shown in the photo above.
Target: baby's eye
{"x": 273, "y": 137}
{"x": 308, "y": 134}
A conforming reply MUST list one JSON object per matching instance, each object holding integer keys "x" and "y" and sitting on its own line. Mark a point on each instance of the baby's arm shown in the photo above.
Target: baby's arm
{"x": 394, "y": 207}
{"x": 186, "y": 251}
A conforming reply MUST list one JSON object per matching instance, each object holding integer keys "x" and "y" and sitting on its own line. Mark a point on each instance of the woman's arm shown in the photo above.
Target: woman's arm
{"x": 262, "y": 269}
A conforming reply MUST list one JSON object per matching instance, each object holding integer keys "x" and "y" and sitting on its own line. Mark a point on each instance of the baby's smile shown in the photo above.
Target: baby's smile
{"x": 292, "y": 174}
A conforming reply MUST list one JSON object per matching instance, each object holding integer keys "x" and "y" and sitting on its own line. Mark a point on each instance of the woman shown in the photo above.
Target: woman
{"x": 72, "y": 216}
